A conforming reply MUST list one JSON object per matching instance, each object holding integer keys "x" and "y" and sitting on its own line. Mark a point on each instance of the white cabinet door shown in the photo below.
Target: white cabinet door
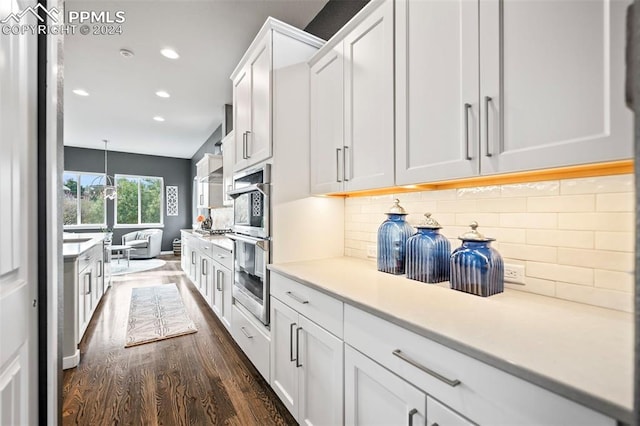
{"x": 327, "y": 123}
{"x": 320, "y": 374}
{"x": 259, "y": 139}
{"x": 369, "y": 135}
{"x": 441, "y": 415}
{"x": 554, "y": 73}
{"x": 375, "y": 396}
{"x": 284, "y": 374}
{"x": 83, "y": 289}
{"x": 223, "y": 297}
{"x": 252, "y": 108}
{"x": 228, "y": 159}
{"x": 208, "y": 275}
{"x": 241, "y": 115}
{"x": 437, "y": 86}
{"x": 184, "y": 254}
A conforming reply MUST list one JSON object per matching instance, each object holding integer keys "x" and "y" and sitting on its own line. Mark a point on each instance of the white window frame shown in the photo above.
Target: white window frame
{"x": 139, "y": 224}
{"x": 79, "y": 225}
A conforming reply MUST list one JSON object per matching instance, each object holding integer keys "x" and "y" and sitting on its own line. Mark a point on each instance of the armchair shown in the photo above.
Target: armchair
{"x": 144, "y": 244}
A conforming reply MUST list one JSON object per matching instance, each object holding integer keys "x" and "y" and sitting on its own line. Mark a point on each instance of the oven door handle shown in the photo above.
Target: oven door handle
{"x": 260, "y": 187}
{"x": 263, "y": 244}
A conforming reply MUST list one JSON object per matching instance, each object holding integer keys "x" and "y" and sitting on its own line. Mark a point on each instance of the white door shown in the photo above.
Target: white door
{"x": 223, "y": 295}
{"x": 241, "y": 116}
{"x": 284, "y": 350}
{"x": 18, "y": 247}
{"x": 320, "y": 373}
{"x": 442, "y": 415}
{"x": 375, "y": 396}
{"x": 436, "y": 90}
{"x": 552, "y": 88}
{"x": 259, "y": 139}
{"x": 369, "y": 147}
{"x": 327, "y": 123}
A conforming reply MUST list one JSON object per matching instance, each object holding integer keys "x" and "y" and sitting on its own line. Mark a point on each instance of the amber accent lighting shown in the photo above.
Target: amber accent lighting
{"x": 572, "y": 172}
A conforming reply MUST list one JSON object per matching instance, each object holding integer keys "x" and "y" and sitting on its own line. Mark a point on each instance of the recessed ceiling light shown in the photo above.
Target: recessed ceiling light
{"x": 163, "y": 94}
{"x": 169, "y": 53}
{"x": 158, "y": 118}
{"x": 81, "y": 92}
{"x": 126, "y": 53}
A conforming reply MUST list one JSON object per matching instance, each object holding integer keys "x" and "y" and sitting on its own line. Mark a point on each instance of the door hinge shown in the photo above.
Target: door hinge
{"x": 34, "y": 303}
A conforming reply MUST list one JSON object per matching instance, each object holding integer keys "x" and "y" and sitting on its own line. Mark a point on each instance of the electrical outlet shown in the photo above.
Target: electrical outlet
{"x": 514, "y": 273}
{"x": 372, "y": 251}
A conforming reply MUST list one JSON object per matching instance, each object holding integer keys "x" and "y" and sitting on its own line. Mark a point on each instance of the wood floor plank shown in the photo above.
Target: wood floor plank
{"x": 197, "y": 379}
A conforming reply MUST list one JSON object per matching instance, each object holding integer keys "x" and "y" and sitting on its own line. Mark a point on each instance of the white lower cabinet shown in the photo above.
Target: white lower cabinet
{"x": 375, "y": 396}
{"x": 306, "y": 367}
{"x": 222, "y": 294}
{"x": 252, "y": 338}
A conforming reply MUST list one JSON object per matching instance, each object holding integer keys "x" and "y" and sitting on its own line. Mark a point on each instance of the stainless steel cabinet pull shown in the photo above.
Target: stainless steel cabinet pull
{"x": 298, "y": 330}
{"x": 100, "y": 269}
{"x": 248, "y": 133}
{"x": 90, "y": 283}
{"x": 219, "y": 256}
{"x": 244, "y": 145}
{"x": 430, "y": 372}
{"x": 220, "y": 278}
{"x": 297, "y": 298}
{"x": 467, "y": 107}
{"x": 246, "y": 333}
{"x": 203, "y": 266}
{"x": 338, "y": 151}
{"x": 412, "y": 413}
{"x": 193, "y": 257}
{"x": 487, "y": 100}
{"x": 344, "y": 164}
{"x": 291, "y": 357}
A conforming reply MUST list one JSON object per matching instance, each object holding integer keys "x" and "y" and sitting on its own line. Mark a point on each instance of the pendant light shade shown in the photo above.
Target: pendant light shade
{"x": 105, "y": 184}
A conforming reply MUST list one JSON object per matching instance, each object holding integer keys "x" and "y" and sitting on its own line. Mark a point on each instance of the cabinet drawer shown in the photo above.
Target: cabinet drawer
{"x": 318, "y": 307}
{"x": 86, "y": 259}
{"x": 476, "y": 390}
{"x": 221, "y": 256}
{"x": 253, "y": 342}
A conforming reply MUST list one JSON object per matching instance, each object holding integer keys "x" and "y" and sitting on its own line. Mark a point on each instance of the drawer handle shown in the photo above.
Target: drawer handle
{"x": 297, "y": 298}
{"x": 206, "y": 248}
{"x": 399, "y": 354}
{"x": 246, "y": 333}
{"x": 298, "y": 330}
{"x": 221, "y": 256}
{"x": 412, "y": 413}
{"x": 291, "y": 357}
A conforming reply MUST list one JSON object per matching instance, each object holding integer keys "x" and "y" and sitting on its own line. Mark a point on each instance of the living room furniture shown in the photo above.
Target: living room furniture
{"x": 144, "y": 244}
{"x": 122, "y": 251}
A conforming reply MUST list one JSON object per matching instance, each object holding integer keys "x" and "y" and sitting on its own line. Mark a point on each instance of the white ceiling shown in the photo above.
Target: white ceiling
{"x": 210, "y": 36}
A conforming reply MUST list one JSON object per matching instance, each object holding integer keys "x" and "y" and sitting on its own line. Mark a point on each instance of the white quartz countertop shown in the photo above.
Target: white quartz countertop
{"x": 582, "y": 352}
{"x": 219, "y": 240}
{"x": 73, "y": 245}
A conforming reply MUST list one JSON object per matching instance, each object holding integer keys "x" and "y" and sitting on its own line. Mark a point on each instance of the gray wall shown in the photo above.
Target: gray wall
{"x": 175, "y": 171}
{"x": 333, "y": 16}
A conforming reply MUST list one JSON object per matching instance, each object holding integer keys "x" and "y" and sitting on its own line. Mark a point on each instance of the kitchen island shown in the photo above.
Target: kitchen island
{"x": 580, "y": 352}
{"x": 84, "y": 286}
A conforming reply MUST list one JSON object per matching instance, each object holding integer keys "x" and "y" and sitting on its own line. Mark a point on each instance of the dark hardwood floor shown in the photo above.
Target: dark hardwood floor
{"x": 197, "y": 379}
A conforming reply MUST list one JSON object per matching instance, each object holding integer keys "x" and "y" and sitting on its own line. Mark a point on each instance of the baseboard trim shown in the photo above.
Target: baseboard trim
{"x": 167, "y": 252}
{"x": 71, "y": 361}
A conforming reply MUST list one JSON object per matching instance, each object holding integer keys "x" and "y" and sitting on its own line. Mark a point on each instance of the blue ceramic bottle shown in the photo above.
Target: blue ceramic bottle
{"x": 392, "y": 239}
{"x": 428, "y": 253}
{"x": 476, "y": 267}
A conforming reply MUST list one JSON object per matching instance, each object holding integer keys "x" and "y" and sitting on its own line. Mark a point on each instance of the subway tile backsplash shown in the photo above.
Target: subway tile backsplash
{"x": 575, "y": 237}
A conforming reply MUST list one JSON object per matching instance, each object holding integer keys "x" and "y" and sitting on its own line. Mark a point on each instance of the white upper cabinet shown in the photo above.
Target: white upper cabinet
{"x": 504, "y": 86}
{"x": 368, "y": 85}
{"x": 352, "y": 105}
{"x": 552, "y": 84}
{"x": 228, "y": 159}
{"x": 437, "y": 85}
{"x": 327, "y": 123}
{"x": 277, "y": 45}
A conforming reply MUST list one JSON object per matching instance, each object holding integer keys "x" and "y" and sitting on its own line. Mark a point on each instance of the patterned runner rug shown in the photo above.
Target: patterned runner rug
{"x": 157, "y": 313}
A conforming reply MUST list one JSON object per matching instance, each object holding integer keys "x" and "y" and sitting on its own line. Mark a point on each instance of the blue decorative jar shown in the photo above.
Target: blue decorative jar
{"x": 392, "y": 240}
{"x": 428, "y": 253}
{"x": 476, "y": 267}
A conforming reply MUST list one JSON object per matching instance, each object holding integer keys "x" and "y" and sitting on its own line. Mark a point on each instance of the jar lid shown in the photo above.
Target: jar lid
{"x": 396, "y": 208}
{"x": 429, "y": 222}
{"x": 474, "y": 235}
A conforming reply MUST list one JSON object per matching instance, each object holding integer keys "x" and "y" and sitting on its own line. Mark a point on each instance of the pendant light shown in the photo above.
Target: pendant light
{"x": 110, "y": 191}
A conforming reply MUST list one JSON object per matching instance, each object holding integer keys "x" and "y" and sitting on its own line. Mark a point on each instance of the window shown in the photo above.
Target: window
{"x": 82, "y": 203}
{"x": 139, "y": 201}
